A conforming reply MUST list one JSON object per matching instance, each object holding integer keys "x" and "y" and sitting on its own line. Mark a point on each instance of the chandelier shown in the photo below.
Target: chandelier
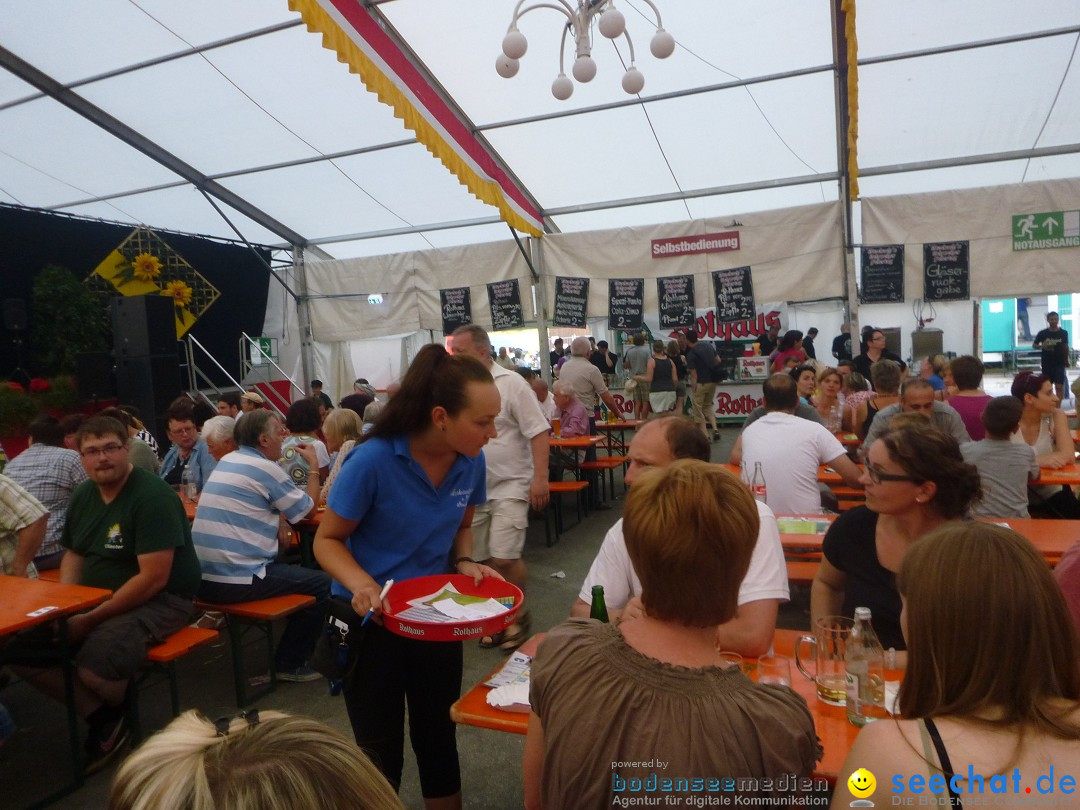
{"x": 611, "y": 24}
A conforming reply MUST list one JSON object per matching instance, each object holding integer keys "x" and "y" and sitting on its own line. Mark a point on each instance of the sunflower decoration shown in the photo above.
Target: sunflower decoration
{"x": 180, "y": 293}
{"x": 147, "y": 267}
{"x": 145, "y": 264}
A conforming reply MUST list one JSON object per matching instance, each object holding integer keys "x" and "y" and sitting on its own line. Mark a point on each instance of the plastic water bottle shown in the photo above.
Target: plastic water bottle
{"x": 757, "y": 484}
{"x": 834, "y": 418}
{"x": 187, "y": 483}
{"x": 864, "y": 672}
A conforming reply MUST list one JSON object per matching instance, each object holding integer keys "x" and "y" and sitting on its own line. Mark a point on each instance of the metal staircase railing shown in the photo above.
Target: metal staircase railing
{"x": 246, "y": 344}
{"x": 199, "y": 382}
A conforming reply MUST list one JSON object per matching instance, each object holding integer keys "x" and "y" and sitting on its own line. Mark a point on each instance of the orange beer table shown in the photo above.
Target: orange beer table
{"x": 575, "y": 442}
{"x": 836, "y": 733}
{"x": 619, "y": 446}
{"x": 1069, "y": 475}
{"x": 1050, "y": 537}
{"x": 28, "y": 602}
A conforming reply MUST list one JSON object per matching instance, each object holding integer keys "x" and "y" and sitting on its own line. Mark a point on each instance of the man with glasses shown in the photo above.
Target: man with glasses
{"x": 917, "y": 396}
{"x": 188, "y": 451}
{"x": 874, "y": 350}
{"x": 126, "y": 531}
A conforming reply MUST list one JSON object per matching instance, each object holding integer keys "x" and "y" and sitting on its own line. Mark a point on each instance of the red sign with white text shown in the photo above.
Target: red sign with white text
{"x": 690, "y": 245}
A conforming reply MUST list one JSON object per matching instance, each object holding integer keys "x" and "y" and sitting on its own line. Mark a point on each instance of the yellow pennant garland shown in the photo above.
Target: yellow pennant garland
{"x": 145, "y": 264}
{"x": 848, "y": 7}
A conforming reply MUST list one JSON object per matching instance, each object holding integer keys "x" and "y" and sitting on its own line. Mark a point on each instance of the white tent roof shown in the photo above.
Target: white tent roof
{"x": 243, "y": 95}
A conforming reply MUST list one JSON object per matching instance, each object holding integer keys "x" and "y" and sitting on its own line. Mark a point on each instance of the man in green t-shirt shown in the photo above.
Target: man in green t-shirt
{"x": 126, "y": 531}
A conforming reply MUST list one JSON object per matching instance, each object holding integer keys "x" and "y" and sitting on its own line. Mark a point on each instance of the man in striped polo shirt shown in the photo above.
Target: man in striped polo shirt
{"x": 236, "y": 535}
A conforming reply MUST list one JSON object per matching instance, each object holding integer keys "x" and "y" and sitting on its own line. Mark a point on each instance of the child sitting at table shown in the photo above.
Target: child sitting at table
{"x": 1004, "y": 466}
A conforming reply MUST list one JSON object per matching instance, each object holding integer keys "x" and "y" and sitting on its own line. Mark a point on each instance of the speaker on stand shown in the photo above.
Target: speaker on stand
{"x": 145, "y": 347}
{"x": 94, "y": 376}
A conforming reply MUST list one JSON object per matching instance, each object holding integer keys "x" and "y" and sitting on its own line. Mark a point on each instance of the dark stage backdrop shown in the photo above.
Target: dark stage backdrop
{"x": 29, "y": 240}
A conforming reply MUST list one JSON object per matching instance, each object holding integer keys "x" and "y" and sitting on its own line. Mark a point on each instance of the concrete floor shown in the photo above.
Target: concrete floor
{"x": 36, "y": 760}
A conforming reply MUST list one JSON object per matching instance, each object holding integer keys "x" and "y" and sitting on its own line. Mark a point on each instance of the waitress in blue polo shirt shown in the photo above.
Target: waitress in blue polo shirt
{"x": 402, "y": 507}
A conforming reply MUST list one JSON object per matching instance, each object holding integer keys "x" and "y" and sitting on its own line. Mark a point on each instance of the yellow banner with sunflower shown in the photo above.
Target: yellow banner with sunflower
{"x": 145, "y": 264}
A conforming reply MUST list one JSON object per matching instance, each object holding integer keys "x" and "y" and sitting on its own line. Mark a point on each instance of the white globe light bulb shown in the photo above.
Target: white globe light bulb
{"x": 584, "y": 68}
{"x": 506, "y": 67}
{"x": 662, "y": 44}
{"x": 612, "y": 23}
{"x": 562, "y": 87}
{"x": 633, "y": 81}
{"x": 514, "y": 44}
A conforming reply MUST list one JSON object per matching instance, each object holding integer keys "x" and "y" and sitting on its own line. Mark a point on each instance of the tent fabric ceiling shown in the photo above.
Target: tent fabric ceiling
{"x": 239, "y": 90}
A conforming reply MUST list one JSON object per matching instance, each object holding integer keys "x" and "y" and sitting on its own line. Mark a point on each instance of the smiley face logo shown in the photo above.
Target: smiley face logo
{"x": 862, "y": 784}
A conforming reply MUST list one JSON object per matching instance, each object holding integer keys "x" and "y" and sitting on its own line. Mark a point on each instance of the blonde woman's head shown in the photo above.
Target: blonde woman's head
{"x": 253, "y": 762}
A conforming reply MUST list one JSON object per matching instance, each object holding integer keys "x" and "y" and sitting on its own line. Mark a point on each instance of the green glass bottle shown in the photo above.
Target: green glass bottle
{"x": 599, "y": 607}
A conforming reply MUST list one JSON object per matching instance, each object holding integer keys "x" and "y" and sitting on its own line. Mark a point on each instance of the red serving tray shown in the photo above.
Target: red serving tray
{"x": 402, "y": 592}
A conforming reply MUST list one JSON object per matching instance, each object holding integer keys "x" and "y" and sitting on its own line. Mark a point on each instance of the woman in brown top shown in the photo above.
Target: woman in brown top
{"x": 610, "y": 701}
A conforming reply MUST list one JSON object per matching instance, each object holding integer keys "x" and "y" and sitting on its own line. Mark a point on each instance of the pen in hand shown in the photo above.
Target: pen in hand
{"x": 382, "y": 596}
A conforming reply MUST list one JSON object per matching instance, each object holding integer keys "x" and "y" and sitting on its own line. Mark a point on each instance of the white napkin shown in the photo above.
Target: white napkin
{"x": 514, "y": 697}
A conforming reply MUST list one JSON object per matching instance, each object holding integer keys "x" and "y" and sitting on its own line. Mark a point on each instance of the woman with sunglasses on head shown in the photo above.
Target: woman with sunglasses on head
{"x": 915, "y": 480}
{"x": 993, "y": 677}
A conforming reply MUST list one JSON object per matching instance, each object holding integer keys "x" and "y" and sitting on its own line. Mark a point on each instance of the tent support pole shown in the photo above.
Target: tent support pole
{"x": 303, "y": 315}
{"x": 840, "y": 85}
{"x": 541, "y": 310}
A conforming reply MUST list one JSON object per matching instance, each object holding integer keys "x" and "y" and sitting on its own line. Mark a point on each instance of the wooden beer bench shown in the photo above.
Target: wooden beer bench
{"x": 256, "y": 617}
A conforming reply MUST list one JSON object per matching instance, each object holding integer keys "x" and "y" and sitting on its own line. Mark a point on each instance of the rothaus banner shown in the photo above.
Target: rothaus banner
{"x": 734, "y": 399}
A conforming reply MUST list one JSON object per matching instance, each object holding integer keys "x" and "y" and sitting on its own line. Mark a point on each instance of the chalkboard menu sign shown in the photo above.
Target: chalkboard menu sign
{"x": 626, "y": 302}
{"x": 734, "y": 290}
{"x": 945, "y": 271}
{"x": 504, "y": 298}
{"x": 456, "y": 305}
{"x": 882, "y": 274}
{"x": 571, "y": 301}
{"x": 675, "y": 295}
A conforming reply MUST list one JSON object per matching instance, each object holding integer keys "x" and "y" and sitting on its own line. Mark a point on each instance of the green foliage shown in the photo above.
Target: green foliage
{"x": 61, "y": 396}
{"x": 17, "y": 410}
{"x": 68, "y": 319}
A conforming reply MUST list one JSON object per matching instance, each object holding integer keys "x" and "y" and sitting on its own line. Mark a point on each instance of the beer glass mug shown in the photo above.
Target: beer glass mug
{"x": 829, "y": 642}
{"x": 556, "y": 427}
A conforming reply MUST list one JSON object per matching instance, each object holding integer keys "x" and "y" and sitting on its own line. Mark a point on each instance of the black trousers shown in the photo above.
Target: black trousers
{"x": 389, "y": 671}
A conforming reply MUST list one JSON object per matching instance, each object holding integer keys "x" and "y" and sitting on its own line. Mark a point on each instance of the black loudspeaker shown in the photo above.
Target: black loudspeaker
{"x": 143, "y": 325}
{"x": 94, "y": 376}
{"x": 150, "y": 383}
{"x": 14, "y": 314}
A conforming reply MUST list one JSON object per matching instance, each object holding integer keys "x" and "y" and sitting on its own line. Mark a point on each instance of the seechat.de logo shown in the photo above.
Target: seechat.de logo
{"x": 862, "y": 785}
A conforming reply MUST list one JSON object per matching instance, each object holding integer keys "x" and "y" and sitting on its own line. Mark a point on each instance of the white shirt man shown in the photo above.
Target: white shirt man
{"x": 790, "y": 450}
{"x": 764, "y": 587}
{"x": 517, "y": 471}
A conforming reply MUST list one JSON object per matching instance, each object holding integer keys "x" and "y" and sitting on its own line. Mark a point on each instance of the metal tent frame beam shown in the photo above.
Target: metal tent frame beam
{"x": 50, "y": 87}
{"x": 876, "y": 60}
{"x": 718, "y": 191}
{"x": 160, "y": 60}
